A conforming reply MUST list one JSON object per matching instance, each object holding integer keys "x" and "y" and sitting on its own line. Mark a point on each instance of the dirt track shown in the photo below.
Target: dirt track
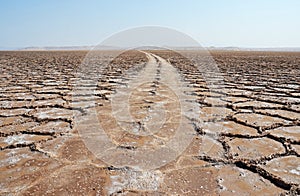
{"x": 255, "y": 111}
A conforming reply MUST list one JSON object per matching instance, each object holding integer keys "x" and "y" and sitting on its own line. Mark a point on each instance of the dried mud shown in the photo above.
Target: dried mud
{"x": 246, "y": 138}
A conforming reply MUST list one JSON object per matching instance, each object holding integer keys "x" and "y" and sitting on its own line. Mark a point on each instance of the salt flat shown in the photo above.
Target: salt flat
{"x": 244, "y": 137}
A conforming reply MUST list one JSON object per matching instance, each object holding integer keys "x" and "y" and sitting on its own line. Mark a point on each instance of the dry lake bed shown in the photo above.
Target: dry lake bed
{"x": 244, "y": 138}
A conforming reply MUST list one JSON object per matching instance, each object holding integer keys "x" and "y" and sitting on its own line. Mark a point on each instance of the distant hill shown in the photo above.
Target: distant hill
{"x": 67, "y": 48}
{"x": 56, "y": 48}
{"x": 52, "y": 48}
{"x": 283, "y": 49}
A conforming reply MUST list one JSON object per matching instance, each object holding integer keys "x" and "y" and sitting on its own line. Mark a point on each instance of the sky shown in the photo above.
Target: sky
{"x": 219, "y": 23}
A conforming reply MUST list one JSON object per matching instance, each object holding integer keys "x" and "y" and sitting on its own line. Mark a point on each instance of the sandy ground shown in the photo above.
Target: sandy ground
{"x": 245, "y": 139}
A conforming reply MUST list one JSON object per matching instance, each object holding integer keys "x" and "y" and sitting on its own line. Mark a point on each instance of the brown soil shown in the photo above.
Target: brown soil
{"x": 246, "y": 138}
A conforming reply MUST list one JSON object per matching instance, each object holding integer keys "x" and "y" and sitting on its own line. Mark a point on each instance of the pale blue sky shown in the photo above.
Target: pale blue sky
{"x": 255, "y": 23}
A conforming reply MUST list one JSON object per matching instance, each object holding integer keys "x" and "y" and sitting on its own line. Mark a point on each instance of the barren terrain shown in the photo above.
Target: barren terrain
{"x": 245, "y": 140}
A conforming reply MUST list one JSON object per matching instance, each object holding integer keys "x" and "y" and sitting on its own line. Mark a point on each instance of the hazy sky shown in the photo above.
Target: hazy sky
{"x": 255, "y": 23}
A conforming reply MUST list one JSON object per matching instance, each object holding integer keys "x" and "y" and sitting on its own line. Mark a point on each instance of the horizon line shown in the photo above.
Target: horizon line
{"x": 90, "y": 47}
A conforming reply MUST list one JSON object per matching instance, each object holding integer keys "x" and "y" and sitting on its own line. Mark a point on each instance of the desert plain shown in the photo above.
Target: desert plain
{"x": 245, "y": 140}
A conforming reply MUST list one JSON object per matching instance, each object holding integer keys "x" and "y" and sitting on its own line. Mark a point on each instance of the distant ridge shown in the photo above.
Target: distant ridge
{"x": 67, "y": 48}
{"x": 63, "y": 48}
{"x": 212, "y": 48}
{"x": 280, "y": 49}
{"x": 56, "y": 48}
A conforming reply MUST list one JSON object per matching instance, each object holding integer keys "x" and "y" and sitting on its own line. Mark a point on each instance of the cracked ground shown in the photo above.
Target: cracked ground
{"x": 246, "y": 139}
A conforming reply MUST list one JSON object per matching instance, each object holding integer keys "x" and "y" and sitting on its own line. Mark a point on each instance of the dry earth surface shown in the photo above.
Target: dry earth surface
{"x": 246, "y": 139}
